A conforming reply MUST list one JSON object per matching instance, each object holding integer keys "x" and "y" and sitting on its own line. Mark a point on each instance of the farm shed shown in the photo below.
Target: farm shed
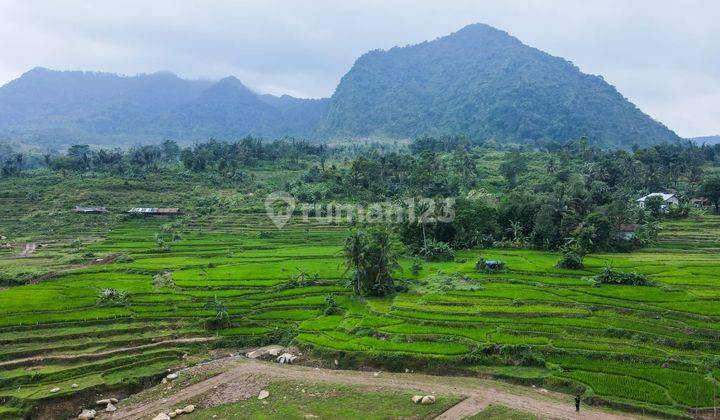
{"x": 89, "y": 209}
{"x": 155, "y": 211}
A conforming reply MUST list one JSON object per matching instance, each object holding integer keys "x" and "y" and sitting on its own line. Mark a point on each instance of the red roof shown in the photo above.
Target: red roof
{"x": 630, "y": 227}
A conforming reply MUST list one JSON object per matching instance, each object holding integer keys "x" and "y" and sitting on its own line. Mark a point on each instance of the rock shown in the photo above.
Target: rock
{"x": 427, "y": 400}
{"x": 172, "y": 376}
{"x": 172, "y": 414}
{"x": 164, "y": 381}
{"x": 87, "y": 414}
{"x": 189, "y": 409}
{"x": 54, "y": 390}
{"x": 114, "y": 400}
{"x": 376, "y": 374}
{"x": 286, "y": 358}
{"x": 110, "y": 408}
{"x": 417, "y": 398}
{"x": 336, "y": 362}
{"x": 263, "y": 394}
{"x": 74, "y": 386}
{"x": 162, "y": 416}
{"x": 103, "y": 402}
{"x": 271, "y": 351}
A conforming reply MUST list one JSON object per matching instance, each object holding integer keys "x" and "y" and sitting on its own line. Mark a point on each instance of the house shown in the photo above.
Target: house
{"x": 699, "y": 202}
{"x": 155, "y": 211}
{"x": 89, "y": 209}
{"x": 668, "y": 200}
{"x": 628, "y": 231}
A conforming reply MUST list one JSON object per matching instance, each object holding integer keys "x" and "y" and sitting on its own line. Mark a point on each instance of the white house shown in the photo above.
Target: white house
{"x": 668, "y": 200}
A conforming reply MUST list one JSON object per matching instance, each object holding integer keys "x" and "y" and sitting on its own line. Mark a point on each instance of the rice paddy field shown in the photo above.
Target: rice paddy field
{"x": 653, "y": 349}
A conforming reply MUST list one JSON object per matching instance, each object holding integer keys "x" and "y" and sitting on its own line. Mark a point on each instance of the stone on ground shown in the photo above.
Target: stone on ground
{"x": 263, "y": 394}
{"x": 87, "y": 414}
{"x": 427, "y": 400}
{"x": 417, "y": 398}
{"x": 162, "y": 416}
{"x": 110, "y": 408}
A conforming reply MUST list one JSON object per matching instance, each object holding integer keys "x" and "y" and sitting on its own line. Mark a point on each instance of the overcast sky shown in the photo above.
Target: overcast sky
{"x": 662, "y": 55}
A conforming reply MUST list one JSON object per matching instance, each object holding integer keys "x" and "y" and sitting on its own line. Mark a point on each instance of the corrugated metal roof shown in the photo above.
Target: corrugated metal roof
{"x": 90, "y": 209}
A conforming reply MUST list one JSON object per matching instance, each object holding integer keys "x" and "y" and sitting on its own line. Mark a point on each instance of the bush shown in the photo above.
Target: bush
{"x": 570, "y": 260}
{"x": 437, "y": 251}
{"x": 112, "y": 297}
{"x": 610, "y": 276}
{"x": 331, "y": 307}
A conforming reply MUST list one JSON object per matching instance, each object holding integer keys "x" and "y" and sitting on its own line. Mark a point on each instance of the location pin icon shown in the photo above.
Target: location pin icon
{"x": 280, "y": 216}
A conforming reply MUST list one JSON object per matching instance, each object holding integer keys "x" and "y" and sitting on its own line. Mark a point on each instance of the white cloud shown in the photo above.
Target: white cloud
{"x": 664, "y": 55}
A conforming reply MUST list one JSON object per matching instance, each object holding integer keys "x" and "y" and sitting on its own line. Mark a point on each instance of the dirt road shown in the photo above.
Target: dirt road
{"x": 479, "y": 393}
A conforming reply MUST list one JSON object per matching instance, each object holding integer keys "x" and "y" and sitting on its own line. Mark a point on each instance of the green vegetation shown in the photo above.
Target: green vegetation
{"x": 122, "y": 308}
{"x": 291, "y": 400}
{"x": 483, "y": 83}
{"x": 499, "y": 412}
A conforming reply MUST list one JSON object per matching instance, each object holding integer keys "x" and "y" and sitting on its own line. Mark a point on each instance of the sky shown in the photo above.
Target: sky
{"x": 662, "y": 55}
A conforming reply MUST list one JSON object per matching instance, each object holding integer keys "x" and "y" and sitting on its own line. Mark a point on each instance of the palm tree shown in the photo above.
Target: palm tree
{"x": 354, "y": 250}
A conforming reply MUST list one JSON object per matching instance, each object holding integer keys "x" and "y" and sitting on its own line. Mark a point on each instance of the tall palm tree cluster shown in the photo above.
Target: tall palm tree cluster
{"x": 372, "y": 261}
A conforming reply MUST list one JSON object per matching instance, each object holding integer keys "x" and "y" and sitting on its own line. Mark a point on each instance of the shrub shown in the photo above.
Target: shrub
{"x": 610, "y": 276}
{"x": 437, "y": 251}
{"x": 163, "y": 280}
{"x": 416, "y": 267}
{"x": 112, "y": 297}
{"x": 570, "y": 260}
{"x": 331, "y": 307}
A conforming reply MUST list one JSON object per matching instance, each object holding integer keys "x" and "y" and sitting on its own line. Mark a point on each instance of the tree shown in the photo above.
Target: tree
{"x": 710, "y": 188}
{"x": 513, "y": 165}
{"x": 372, "y": 261}
{"x": 170, "y": 151}
{"x": 578, "y": 246}
{"x": 654, "y": 205}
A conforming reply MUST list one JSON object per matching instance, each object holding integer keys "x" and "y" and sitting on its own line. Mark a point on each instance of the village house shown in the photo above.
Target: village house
{"x": 155, "y": 211}
{"x": 699, "y": 202}
{"x": 668, "y": 200}
{"x": 628, "y": 231}
{"x": 89, "y": 209}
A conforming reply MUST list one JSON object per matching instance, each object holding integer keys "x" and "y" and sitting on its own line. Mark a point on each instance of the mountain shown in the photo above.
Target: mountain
{"x": 484, "y": 83}
{"x": 478, "y": 81}
{"x": 709, "y": 140}
{"x": 55, "y": 109}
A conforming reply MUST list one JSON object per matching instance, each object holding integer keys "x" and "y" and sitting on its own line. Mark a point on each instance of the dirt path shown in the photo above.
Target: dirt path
{"x": 479, "y": 393}
{"x": 465, "y": 408}
{"x": 30, "y": 247}
{"x": 103, "y": 353}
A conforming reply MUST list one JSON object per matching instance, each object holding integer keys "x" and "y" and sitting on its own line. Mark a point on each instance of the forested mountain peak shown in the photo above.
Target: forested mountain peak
{"x": 484, "y": 83}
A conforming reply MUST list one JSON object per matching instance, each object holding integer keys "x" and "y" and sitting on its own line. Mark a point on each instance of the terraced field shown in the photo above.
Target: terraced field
{"x": 652, "y": 348}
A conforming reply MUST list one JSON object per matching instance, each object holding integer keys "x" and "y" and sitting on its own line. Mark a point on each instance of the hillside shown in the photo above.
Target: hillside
{"x": 482, "y": 82}
{"x": 708, "y": 140}
{"x": 478, "y": 81}
{"x": 57, "y": 108}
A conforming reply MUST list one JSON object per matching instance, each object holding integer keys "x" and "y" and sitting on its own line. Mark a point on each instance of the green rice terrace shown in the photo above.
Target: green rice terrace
{"x": 642, "y": 348}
